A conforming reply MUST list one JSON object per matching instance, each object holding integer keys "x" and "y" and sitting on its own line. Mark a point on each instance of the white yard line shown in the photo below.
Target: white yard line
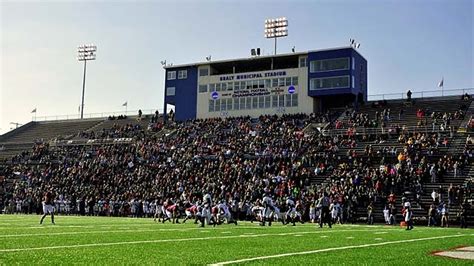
{"x": 171, "y": 240}
{"x": 78, "y": 233}
{"x": 335, "y": 248}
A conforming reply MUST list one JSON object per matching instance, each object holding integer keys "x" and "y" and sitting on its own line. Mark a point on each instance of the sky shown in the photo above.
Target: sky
{"x": 409, "y": 44}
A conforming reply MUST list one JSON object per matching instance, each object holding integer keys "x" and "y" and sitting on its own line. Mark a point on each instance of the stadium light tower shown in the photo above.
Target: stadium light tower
{"x": 85, "y": 53}
{"x": 276, "y": 28}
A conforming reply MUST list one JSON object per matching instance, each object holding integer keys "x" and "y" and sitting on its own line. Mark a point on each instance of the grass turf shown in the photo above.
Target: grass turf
{"x": 103, "y": 240}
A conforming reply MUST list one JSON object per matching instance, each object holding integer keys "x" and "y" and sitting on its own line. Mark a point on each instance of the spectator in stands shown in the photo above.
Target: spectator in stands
{"x": 140, "y": 114}
{"x": 409, "y": 95}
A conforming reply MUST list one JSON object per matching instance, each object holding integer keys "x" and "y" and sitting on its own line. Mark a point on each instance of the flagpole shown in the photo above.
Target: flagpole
{"x": 442, "y": 86}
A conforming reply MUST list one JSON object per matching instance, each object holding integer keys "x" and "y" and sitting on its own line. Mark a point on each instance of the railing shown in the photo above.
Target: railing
{"x": 421, "y": 94}
{"x": 387, "y": 130}
{"x": 95, "y": 115}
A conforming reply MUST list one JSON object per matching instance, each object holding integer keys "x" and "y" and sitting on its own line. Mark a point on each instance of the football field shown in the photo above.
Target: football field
{"x": 112, "y": 241}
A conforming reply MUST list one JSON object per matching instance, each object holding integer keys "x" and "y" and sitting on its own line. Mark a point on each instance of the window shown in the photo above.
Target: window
{"x": 203, "y": 72}
{"x": 288, "y": 100}
{"x": 288, "y": 81}
{"x": 242, "y": 103}
{"x": 268, "y": 100}
{"x": 243, "y": 85}
{"x": 261, "y": 83}
{"x": 230, "y": 86}
{"x": 275, "y": 101}
{"x": 202, "y": 88}
{"x": 223, "y": 104}
{"x": 353, "y": 63}
{"x": 293, "y": 100}
{"x": 229, "y": 104}
{"x": 254, "y": 102}
{"x": 248, "y": 103}
{"x": 294, "y": 81}
{"x": 274, "y": 82}
{"x": 171, "y": 75}
{"x": 236, "y": 104}
{"x": 329, "y": 65}
{"x": 182, "y": 74}
{"x": 218, "y": 87}
{"x": 223, "y": 86}
{"x": 212, "y": 87}
{"x": 281, "y": 100}
{"x": 329, "y": 83}
{"x": 217, "y": 108}
{"x": 211, "y": 105}
{"x": 268, "y": 83}
{"x": 303, "y": 62}
{"x": 353, "y": 82}
{"x": 261, "y": 102}
{"x": 281, "y": 82}
{"x": 236, "y": 86}
{"x": 170, "y": 91}
{"x": 255, "y": 84}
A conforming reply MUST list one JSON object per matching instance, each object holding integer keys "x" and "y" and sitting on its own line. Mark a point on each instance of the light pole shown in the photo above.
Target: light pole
{"x": 276, "y": 28}
{"x": 85, "y": 53}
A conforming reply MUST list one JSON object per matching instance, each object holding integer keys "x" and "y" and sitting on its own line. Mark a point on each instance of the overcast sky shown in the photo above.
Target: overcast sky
{"x": 408, "y": 44}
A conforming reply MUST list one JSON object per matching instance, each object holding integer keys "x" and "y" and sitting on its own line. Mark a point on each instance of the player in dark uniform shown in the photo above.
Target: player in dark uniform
{"x": 463, "y": 214}
{"x": 325, "y": 216}
{"x": 48, "y": 206}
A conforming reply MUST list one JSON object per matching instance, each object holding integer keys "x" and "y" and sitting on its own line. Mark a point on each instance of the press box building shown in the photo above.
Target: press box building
{"x": 302, "y": 82}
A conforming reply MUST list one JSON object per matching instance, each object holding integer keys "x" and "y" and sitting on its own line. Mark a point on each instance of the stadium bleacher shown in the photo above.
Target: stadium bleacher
{"x": 292, "y": 147}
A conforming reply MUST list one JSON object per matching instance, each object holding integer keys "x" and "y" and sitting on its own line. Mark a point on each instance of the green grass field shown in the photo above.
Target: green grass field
{"x": 102, "y": 240}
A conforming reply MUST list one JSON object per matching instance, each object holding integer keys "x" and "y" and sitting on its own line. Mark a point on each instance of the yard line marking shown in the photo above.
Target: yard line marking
{"x": 350, "y": 237}
{"x": 119, "y": 231}
{"x": 79, "y": 233}
{"x": 379, "y": 233}
{"x": 378, "y": 239}
{"x": 167, "y": 240}
{"x": 333, "y": 249}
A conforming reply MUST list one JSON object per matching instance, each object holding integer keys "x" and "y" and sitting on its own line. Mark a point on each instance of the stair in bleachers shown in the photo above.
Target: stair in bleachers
{"x": 22, "y": 139}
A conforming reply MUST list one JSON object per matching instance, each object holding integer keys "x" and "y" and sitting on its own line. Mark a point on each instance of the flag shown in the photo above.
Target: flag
{"x": 125, "y": 104}
{"x": 34, "y": 111}
{"x": 441, "y": 83}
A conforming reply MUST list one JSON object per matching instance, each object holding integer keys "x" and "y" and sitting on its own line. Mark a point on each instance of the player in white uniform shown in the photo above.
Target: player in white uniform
{"x": 158, "y": 210}
{"x": 408, "y": 214}
{"x": 268, "y": 210}
{"x": 277, "y": 214}
{"x": 18, "y": 206}
{"x": 291, "y": 212}
{"x": 224, "y": 213}
{"x": 206, "y": 209}
{"x": 312, "y": 212}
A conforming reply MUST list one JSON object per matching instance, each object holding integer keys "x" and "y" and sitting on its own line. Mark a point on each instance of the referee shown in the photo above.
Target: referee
{"x": 325, "y": 216}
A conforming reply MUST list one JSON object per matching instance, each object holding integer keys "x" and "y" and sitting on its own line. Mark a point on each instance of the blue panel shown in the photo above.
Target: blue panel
{"x": 360, "y": 72}
{"x": 185, "y": 98}
{"x": 360, "y": 75}
{"x": 329, "y": 92}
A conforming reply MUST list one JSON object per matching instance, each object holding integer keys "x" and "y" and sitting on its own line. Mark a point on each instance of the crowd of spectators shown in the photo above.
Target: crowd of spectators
{"x": 237, "y": 159}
